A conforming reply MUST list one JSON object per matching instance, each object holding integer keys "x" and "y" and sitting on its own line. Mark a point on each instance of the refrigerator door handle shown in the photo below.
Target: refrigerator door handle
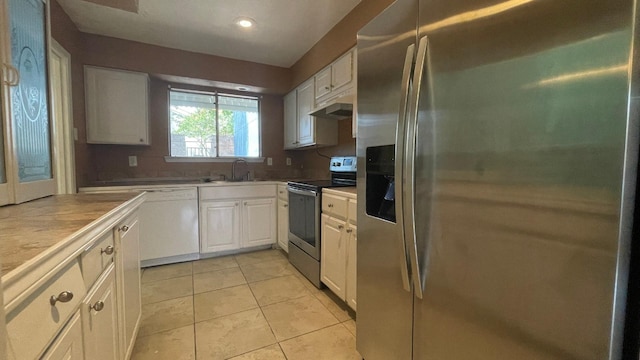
{"x": 409, "y": 169}
{"x": 399, "y": 154}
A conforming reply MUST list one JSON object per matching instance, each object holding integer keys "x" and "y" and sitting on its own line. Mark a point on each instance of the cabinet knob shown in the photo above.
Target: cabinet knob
{"x": 108, "y": 250}
{"x": 349, "y": 231}
{"x": 340, "y": 227}
{"x": 285, "y": 205}
{"x": 245, "y": 203}
{"x": 237, "y": 204}
{"x": 330, "y": 205}
{"x": 98, "y": 306}
{"x": 327, "y": 88}
{"x": 124, "y": 228}
{"x": 141, "y": 140}
{"x": 63, "y": 297}
{"x": 13, "y": 78}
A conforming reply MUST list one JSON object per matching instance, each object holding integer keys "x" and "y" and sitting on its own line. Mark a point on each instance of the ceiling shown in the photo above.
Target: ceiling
{"x": 285, "y": 29}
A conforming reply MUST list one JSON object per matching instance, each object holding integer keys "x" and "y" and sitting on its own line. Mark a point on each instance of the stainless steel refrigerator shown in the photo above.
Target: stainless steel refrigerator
{"x": 497, "y": 150}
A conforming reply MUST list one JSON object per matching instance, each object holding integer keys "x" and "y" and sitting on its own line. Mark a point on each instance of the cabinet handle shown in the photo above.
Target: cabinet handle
{"x": 285, "y": 205}
{"x": 327, "y": 88}
{"x": 63, "y": 297}
{"x": 124, "y": 228}
{"x": 349, "y": 230}
{"x": 108, "y": 250}
{"x": 98, "y": 306}
{"x": 281, "y": 192}
{"x": 330, "y": 205}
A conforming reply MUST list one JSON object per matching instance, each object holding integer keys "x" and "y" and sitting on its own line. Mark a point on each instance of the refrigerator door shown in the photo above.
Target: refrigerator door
{"x": 522, "y": 121}
{"x": 385, "y": 301}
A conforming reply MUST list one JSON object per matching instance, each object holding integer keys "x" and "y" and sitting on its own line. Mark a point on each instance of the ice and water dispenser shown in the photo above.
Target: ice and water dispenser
{"x": 380, "y": 182}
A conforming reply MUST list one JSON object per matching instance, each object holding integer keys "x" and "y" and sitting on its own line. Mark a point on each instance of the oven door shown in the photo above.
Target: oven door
{"x": 304, "y": 220}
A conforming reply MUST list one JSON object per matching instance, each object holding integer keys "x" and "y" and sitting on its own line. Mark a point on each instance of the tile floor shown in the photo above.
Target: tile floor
{"x": 248, "y": 306}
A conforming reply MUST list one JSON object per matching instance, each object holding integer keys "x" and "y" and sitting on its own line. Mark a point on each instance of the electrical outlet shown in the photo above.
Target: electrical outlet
{"x": 133, "y": 161}
{"x": 270, "y": 161}
{"x": 288, "y": 161}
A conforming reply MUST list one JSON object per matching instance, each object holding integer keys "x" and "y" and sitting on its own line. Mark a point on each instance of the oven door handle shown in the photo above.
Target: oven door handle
{"x": 303, "y": 192}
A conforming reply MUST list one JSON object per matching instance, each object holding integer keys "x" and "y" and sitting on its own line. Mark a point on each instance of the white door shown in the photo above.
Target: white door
{"x": 100, "y": 319}
{"x": 283, "y": 225}
{"x": 219, "y": 226}
{"x": 68, "y": 346}
{"x": 352, "y": 253}
{"x": 333, "y": 258}
{"x": 305, "y": 121}
{"x": 258, "y": 222}
{"x": 290, "y": 120}
{"x": 128, "y": 254}
{"x": 63, "y": 142}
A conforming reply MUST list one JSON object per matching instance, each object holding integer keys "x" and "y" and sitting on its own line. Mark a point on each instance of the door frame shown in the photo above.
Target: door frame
{"x": 62, "y": 117}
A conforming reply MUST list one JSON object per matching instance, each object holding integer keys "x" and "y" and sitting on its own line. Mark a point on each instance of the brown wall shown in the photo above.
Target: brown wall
{"x": 113, "y": 162}
{"x": 337, "y": 41}
{"x": 106, "y": 162}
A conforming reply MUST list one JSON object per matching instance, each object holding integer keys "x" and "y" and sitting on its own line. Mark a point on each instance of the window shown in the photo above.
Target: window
{"x": 211, "y": 125}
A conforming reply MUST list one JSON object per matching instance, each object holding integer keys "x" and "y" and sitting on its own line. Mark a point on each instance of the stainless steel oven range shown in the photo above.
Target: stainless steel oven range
{"x": 304, "y": 215}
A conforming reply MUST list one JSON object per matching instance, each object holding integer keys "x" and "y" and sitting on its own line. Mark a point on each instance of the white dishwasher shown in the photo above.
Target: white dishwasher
{"x": 169, "y": 226}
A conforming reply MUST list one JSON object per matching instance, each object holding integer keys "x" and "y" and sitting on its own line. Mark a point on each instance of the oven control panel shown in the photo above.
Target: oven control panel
{"x": 343, "y": 164}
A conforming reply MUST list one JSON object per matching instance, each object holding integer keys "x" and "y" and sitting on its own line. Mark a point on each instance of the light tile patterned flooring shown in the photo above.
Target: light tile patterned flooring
{"x": 248, "y": 306}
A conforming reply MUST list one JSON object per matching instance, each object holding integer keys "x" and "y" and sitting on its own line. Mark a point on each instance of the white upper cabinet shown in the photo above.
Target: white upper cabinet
{"x": 336, "y": 79}
{"x": 290, "y": 120}
{"x": 309, "y": 131}
{"x": 117, "y": 105}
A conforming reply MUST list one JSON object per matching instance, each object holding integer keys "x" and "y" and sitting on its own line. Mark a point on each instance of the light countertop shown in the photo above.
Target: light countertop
{"x": 29, "y": 230}
{"x": 350, "y": 191}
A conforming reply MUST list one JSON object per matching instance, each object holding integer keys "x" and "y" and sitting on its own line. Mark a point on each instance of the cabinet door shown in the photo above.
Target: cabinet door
{"x": 290, "y": 120}
{"x": 117, "y": 106}
{"x": 334, "y": 252}
{"x": 305, "y": 121}
{"x": 68, "y": 346}
{"x": 258, "y": 222}
{"x": 341, "y": 72}
{"x": 128, "y": 276}
{"x": 219, "y": 226}
{"x": 352, "y": 252}
{"x": 29, "y": 101}
{"x": 323, "y": 82}
{"x": 283, "y": 225}
{"x": 100, "y": 319}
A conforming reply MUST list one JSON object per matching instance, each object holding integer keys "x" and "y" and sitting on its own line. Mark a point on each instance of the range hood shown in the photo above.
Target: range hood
{"x": 339, "y": 108}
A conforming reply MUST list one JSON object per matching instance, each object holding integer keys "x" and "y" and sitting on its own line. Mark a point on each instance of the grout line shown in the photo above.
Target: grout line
{"x": 282, "y": 350}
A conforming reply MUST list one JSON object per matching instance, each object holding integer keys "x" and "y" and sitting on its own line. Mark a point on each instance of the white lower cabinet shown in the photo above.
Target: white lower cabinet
{"x": 334, "y": 251}
{"x": 233, "y": 224}
{"x": 128, "y": 280}
{"x": 352, "y": 265}
{"x": 283, "y": 225}
{"x": 338, "y": 261}
{"x": 68, "y": 345}
{"x": 219, "y": 226}
{"x": 258, "y": 222}
{"x": 100, "y": 319}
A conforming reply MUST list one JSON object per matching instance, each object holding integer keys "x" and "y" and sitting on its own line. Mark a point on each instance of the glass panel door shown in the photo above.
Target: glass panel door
{"x": 29, "y": 100}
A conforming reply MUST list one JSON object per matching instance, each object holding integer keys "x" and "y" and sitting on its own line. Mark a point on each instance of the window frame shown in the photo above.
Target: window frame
{"x": 217, "y": 158}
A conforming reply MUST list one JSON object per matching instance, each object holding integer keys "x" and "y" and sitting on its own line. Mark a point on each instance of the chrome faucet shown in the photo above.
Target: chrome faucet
{"x": 240, "y": 167}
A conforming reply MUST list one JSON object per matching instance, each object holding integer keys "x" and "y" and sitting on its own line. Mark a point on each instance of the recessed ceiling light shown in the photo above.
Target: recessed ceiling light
{"x": 245, "y": 22}
{"x": 242, "y": 88}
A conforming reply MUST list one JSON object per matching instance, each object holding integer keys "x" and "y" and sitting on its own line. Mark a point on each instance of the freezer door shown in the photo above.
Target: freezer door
{"x": 384, "y": 305}
{"x": 520, "y": 148}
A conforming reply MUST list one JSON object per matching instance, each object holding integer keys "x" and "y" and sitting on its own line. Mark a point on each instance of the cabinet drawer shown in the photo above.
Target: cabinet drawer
{"x": 283, "y": 194}
{"x": 334, "y": 206}
{"x": 352, "y": 211}
{"x": 96, "y": 258}
{"x": 34, "y": 323}
{"x": 237, "y": 192}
